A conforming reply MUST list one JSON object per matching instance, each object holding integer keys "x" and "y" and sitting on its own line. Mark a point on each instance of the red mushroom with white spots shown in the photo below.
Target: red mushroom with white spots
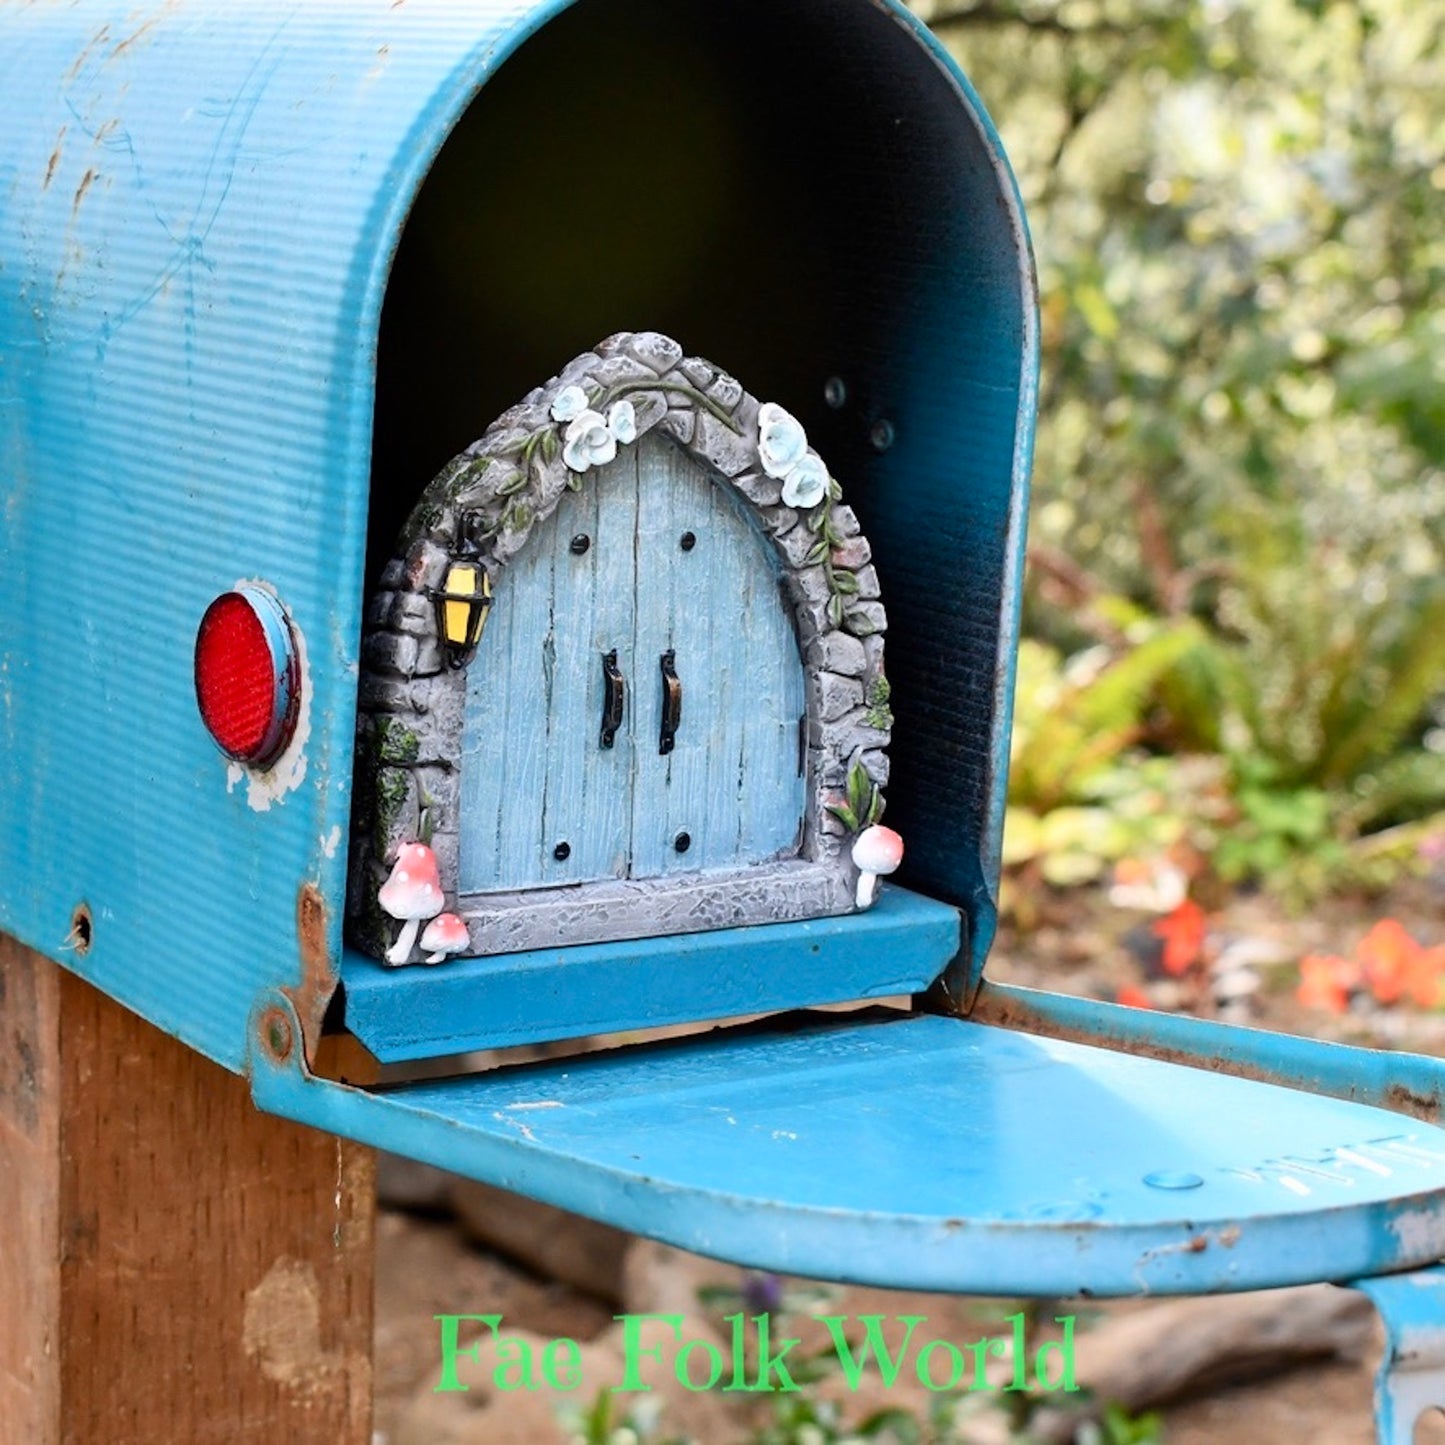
{"x": 878, "y": 851}
{"x": 412, "y": 893}
{"x": 445, "y": 934}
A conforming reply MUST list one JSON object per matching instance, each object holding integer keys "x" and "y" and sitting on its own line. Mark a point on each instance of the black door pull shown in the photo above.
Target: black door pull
{"x": 671, "y": 702}
{"x": 614, "y": 698}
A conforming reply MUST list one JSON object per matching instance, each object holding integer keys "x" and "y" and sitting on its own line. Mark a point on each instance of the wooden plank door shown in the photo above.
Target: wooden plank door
{"x": 731, "y": 790}
{"x": 650, "y": 557}
{"x": 542, "y": 803}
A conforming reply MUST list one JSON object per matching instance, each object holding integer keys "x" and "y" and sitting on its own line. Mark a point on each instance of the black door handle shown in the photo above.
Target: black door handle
{"x": 671, "y": 702}
{"x": 614, "y": 698}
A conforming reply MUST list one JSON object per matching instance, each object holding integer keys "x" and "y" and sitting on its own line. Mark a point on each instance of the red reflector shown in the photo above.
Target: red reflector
{"x": 245, "y": 675}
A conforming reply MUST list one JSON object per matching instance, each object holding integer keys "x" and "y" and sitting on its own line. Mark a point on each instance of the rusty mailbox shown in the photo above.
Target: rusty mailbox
{"x": 497, "y": 501}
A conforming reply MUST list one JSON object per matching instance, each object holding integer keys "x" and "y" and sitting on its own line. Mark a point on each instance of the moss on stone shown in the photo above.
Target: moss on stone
{"x": 396, "y": 743}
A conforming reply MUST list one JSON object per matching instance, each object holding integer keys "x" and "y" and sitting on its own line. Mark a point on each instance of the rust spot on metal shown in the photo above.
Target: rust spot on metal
{"x": 82, "y": 930}
{"x": 1425, "y": 1107}
{"x": 318, "y": 974}
{"x": 86, "y": 181}
{"x": 1229, "y": 1236}
{"x": 54, "y": 160}
{"x": 1198, "y": 1244}
{"x": 276, "y": 1037}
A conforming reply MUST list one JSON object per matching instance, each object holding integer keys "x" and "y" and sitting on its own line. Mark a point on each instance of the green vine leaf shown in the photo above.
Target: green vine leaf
{"x": 845, "y": 583}
{"x": 835, "y": 610}
{"x": 514, "y": 484}
{"x": 845, "y": 815}
{"x": 816, "y": 555}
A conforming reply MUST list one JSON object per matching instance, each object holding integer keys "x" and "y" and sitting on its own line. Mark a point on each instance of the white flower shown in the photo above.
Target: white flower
{"x": 622, "y": 421}
{"x": 782, "y": 442}
{"x": 806, "y": 484}
{"x": 571, "y": 402}
{"x": 588, "y": 442}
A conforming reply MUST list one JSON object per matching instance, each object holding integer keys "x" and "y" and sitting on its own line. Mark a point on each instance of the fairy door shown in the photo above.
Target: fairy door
{"x": 637, "y": 708}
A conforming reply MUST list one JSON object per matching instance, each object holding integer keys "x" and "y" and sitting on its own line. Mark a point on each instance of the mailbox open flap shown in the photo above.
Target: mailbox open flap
{"x": 918, "y": 1151}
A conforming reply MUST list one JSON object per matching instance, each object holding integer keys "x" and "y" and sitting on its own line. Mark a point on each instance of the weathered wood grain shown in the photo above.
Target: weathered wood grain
{"x": 534, "y": 775}
{"x": 175, "y": 1265}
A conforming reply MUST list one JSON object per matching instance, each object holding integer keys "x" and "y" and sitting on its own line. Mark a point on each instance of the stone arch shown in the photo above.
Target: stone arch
{"x": 509, "y": 482}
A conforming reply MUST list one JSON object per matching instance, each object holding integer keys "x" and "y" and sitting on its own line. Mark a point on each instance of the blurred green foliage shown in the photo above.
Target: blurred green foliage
{"x": 1238, "y": 208}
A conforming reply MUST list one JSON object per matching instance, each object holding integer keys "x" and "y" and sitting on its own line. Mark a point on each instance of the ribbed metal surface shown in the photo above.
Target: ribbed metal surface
{"x": 198, "y": 207}
{"x": 197, "y": 210}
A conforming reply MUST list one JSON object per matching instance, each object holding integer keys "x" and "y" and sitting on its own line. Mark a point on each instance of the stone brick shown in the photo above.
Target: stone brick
{"x": 651, "y": 407}
{"x": 524, "y": 418}
{"x": 659, "y": 352}
{"x": 838, "y": 696}
{"x": 873, "y": 651}
{"x": 840, "y": 653}
{"x": 615, "y": 345}
{"x": 846, "y": 735}
{"x": 698, "y": 372}
{"x": 726, "y": 391}
{"x": 425, "y": 565}
{"x": 729, "y": 452}
{"x": 384, "y": 694}
{"x": 503, "y": 440}
{"x": 863, "y": 616}
{"x": 845, "y": 522}
{"x": 853, "y": 554}
{"x": 412, "y": 612}
{"x": 429, "y": 657}
{"x": 378, "y": 608}
{"x": 796, "y": 545}
{"x": 394, "y": 573}
{"x": 577, "y": 372}
{"x": 680, "y": 425}
{"x": 614, "y": 370}
{"x": 867, "y": 583}
{"x": 390, "y": 652}
{"x": 876, "y": 765}
{"x": 761, "y": 490}
{"x": 811, "y": 585}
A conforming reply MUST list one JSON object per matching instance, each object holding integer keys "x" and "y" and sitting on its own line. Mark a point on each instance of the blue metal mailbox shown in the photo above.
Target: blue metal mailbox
{"x": 264, "y": 269}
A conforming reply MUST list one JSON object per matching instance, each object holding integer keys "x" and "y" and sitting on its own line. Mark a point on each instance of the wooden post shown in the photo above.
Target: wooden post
{"x": 174, "y": 1265}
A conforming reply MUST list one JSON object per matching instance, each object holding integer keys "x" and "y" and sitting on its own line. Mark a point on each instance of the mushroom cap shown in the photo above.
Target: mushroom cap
{"x": 414, "y": 889}
{"x": 446, "y": 933}
{"x": 878, "y": 850}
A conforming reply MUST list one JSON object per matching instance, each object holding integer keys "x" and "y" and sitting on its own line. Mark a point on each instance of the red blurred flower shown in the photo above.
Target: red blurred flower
{"x": 1326, "y": 981}
{"x": 1183, "y": 932}
{"x": 1132, "y": 996}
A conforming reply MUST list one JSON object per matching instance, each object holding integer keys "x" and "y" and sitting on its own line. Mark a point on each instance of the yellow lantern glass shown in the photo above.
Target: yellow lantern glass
{"x": 462, "y": 604}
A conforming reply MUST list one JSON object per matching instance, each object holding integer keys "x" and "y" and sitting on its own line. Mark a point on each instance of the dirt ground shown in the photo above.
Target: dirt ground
{"x": 428, "y": 1264}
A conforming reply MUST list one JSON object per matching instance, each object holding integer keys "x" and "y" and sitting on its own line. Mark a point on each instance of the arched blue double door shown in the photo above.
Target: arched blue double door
{"x": 637, "y": 706}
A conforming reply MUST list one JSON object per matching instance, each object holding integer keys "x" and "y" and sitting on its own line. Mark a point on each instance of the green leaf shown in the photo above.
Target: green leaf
{"x": 845, "y": 815}
{"x": 845, "y": 582}
{"x": 816, "y": 555}
{"x": 835, "y": 610}
{"x": 513, "y": 485}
